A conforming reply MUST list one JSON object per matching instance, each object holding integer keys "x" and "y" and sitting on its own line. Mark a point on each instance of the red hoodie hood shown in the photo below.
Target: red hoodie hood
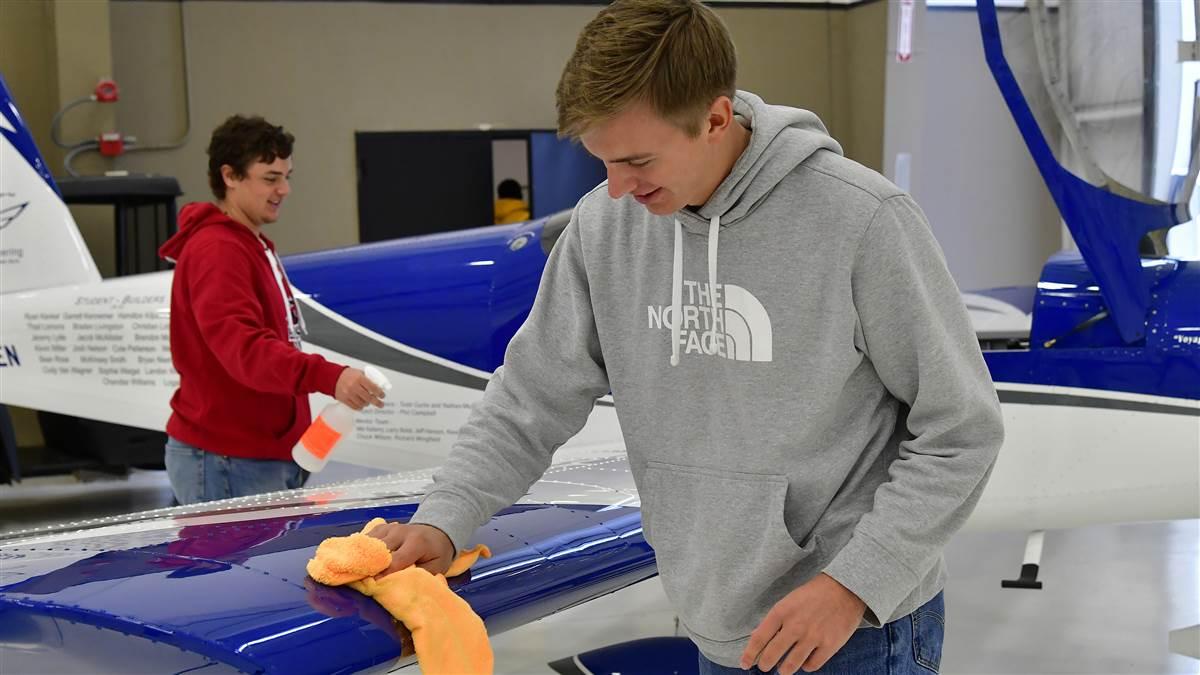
{"x": 196, "y": 216}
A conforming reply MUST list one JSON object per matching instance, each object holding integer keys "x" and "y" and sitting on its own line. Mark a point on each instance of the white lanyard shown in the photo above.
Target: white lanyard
{"x": 291, "y": 310}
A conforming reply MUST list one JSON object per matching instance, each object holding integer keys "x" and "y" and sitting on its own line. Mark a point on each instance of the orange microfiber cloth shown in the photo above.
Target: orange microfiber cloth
{"x": 449, "y": 637}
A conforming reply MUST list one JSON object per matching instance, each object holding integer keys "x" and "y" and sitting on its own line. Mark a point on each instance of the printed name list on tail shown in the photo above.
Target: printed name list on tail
{"x": 334, "y": 422}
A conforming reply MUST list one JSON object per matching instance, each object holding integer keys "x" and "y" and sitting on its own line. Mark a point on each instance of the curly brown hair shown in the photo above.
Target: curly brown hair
{"x": 241, "y": 141}
{"x": 675, "y": 55}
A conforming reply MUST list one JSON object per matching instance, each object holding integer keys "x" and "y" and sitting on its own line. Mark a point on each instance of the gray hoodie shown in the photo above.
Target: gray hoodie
{"x": 822, "y": 406}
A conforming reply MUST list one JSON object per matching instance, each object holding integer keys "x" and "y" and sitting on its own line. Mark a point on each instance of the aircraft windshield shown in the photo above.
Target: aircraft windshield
{"x": 1113, "y": 88}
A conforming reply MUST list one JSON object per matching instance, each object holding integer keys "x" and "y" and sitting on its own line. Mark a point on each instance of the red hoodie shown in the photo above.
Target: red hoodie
{"x": 243, "y": 387}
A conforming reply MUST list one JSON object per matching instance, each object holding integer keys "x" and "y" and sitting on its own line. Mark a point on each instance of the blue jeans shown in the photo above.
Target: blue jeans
{"x": 910, "y": 645}
{"x": 200, "y": 476}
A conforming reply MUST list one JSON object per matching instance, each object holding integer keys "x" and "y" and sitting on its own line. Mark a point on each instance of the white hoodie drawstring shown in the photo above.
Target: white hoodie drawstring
{"x": 677, "y": 294}
{"x": 714, "y": 229}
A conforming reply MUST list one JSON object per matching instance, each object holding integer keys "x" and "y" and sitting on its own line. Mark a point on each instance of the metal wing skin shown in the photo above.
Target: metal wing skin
{"x": 222, "y": 588}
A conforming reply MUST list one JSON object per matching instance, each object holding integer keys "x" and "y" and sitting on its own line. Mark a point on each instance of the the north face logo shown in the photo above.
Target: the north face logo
{"x": 741, "y": 329}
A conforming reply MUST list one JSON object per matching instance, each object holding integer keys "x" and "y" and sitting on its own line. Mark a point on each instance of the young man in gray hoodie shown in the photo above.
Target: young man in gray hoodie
{"x": 805, "y": 408}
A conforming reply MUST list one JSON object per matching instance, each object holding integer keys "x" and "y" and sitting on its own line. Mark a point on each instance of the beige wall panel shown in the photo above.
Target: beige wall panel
{"x": 326, "y": 70}
{"x": 148, "y": 58}
{"x": 863, "y": 58}
{"x": 783, "y": 55}
{"x": 27, "y": 61}
{"x": 84, "y": 57}
{"x": 839, "y": 80}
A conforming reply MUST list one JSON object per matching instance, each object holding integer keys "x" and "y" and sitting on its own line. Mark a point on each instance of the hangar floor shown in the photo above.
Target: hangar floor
{"x": 1111, "y": 594}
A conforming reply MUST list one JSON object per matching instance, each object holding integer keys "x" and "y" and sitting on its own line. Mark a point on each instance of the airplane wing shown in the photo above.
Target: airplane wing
{"x": 221, "y": 587}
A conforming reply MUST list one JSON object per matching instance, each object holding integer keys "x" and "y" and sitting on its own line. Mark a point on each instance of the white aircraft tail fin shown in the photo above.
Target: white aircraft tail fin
{"x": 40, "y": 245}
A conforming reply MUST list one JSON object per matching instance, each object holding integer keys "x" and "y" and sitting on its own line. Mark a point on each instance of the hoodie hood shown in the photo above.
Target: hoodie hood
{"x": 781, "y": 138}
{"x": 193, "y": 218}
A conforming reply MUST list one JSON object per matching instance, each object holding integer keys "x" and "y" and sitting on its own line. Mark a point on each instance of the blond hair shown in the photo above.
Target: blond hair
{"x": 675, "y": 55}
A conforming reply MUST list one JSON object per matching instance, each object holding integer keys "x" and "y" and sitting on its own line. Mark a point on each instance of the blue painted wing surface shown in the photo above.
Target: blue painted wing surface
{"x": 229, "y": 590}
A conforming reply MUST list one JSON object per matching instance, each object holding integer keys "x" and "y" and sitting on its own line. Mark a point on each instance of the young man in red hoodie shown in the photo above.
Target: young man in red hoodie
{"x": 242, "y": 402}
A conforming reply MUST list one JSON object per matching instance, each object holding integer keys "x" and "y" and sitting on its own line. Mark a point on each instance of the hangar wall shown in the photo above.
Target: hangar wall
{"x": 970, "y": 170}
{"x": 328, "y": 69}
{"x": 325, "y": 70}
{"x": 51, "y": 53}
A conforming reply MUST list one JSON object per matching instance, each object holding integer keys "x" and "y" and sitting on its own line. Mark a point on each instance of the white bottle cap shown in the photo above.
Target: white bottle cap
{"x": 377, "y": 378}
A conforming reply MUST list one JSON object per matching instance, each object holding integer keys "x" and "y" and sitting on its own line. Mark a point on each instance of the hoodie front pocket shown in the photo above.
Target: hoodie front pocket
{"x": 723, "y": 549}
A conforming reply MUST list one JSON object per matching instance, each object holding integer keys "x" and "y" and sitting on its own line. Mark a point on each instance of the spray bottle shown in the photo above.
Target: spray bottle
{"x": 333, "y": 424}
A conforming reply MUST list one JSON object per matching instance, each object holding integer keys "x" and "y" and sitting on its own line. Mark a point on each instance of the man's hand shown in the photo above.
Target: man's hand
{"x": 357, "y": 390}
{"x": 422, "y": 545}
{"x": 813, "y": 622}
